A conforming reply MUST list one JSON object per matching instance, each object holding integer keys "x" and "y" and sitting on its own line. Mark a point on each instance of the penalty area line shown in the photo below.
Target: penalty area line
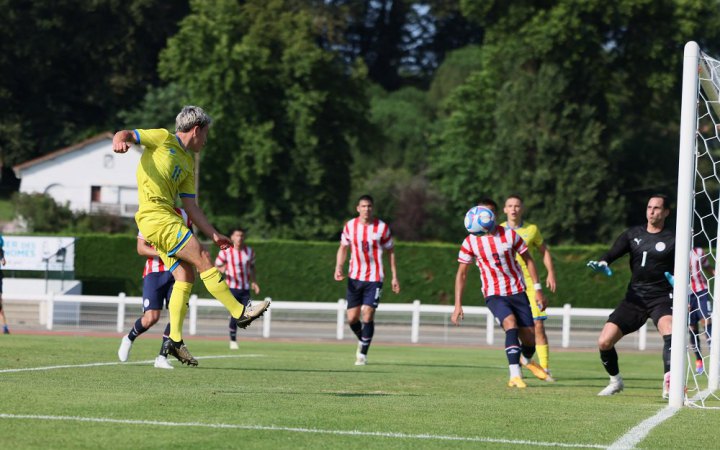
{"x": 116, "y": 363}
{"x": 299, "y": 430}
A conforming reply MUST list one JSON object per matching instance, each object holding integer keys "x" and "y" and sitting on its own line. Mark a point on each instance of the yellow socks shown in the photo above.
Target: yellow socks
{"x": 216, "y": 285}
{"x": 178, "y": 306}
{"x": 543, "y": 352}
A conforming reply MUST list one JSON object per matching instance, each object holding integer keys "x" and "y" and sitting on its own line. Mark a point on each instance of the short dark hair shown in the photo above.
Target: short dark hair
{"x": 515, "y": 196}
{"x": 366, "y": 197}
{"x": 487, "y": 201}
{"x": 240, "y": 229}
{"x": 665, "y": 199}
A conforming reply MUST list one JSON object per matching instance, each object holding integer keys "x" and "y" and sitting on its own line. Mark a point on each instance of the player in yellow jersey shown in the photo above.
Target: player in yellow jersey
{"x": 166, "y": 172}
{"x": 531, "y": 235}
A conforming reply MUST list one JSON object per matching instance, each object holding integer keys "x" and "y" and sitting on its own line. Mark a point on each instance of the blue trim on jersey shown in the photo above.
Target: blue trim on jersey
{"x": 522, "y": 224}
{"x": 177, "y": 247}
{"x": 184, "y": 195}
{"x": 137, "y": 136}
{"x": 174, "y": 266}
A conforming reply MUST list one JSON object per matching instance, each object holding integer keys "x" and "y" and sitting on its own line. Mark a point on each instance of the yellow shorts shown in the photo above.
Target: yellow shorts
{"x": 536, "y": 313}
{"x": 164, "y": 229}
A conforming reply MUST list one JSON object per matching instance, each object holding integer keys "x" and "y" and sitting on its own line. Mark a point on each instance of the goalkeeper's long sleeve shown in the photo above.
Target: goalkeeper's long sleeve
{"x": 619, "y": 248}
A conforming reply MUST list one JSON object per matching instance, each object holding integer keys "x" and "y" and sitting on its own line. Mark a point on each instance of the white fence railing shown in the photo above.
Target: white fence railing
{"x": 93, "y": 312}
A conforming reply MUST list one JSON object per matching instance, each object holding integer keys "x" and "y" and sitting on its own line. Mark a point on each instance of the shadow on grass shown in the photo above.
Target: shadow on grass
{"x": 342, "y": 394}
{"x": 264, "y": 369}
{"x": 440, "y": 366}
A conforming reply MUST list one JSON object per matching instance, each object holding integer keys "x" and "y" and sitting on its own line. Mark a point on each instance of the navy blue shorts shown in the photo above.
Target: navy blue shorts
{"x": 700, "y": 306}
{"x": 363, "y": 293}
{"x": 518, "y": 304}
{"x": 241, "y": 295}
{"x": 157, "y": 287}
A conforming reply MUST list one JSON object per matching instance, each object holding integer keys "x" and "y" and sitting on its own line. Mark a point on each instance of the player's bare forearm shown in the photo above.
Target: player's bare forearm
{"x": 540, "y": 300}
{"x": 199, "y": 219}
{"x": 539, "y": 296}
{"x": 122, "y": 141}
{"x": 393, "y": 270}
{"x": 253, "y": 281}
{"x": 460, "y": 281}
{"x": 547, "y": 261}
{"x": 530, "y": 263}
{"x": 145, "y": 249}
{"x": 340, "y": 258}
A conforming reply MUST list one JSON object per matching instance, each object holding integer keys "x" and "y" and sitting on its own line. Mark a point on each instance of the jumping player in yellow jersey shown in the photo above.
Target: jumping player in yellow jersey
{"x": 531, "y": 235}
{"x": 166, "y": 171}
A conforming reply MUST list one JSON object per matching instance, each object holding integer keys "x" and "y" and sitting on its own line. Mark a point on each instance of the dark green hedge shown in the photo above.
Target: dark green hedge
{"x": 292, "y": 270}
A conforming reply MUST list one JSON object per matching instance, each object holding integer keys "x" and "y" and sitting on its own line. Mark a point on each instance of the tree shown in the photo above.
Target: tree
{"x": 68, "y": 67}
{"x": 453, "y": 72}
{"x": 402, "y": 42}
{"x": 287, "y": 114}
{"x": 571, "y": 110}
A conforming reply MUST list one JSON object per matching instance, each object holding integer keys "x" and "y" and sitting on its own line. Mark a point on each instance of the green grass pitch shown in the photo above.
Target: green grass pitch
{"x": 272, "y": 394}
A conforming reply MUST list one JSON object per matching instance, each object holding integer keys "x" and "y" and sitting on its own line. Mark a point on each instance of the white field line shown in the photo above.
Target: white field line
{"x": 633, "y": 437}
{"x": 639, "y": 432}
{"x": 116, "y": 363}
{"x": 301, "y": 430}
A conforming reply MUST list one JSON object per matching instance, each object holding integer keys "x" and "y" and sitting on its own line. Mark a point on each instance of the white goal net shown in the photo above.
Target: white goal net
{"x": 694, "y": 369}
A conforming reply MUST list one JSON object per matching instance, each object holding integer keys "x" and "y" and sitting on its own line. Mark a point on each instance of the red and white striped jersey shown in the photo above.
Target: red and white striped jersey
{"x": 367, "y": 243}
{"x": 238, "y": 265}
{"x": 494, "y": 255}
{"x": 698, "y": 261}
{"x": 155, "y": 264}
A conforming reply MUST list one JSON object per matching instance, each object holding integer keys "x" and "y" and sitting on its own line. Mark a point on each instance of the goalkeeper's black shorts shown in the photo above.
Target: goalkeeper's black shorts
{"x": 632, "y": 313}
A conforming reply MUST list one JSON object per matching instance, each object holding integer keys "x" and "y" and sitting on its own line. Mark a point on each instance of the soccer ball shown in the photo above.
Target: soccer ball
{"x": 479, "y": 220}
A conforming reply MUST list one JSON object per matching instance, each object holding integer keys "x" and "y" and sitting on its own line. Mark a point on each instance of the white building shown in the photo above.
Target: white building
{"x": 88, "y": 175}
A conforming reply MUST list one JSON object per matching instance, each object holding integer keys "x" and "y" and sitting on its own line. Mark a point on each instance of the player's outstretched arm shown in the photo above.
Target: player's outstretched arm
{"x": 122, "y": 141}
{"x": 460, "y": 280}
{"x": 199, "y": 219}
{"x": 600, "y": 266}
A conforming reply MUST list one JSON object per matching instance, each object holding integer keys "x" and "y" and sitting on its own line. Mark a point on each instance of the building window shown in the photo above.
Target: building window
{"x": 95, "y": 194}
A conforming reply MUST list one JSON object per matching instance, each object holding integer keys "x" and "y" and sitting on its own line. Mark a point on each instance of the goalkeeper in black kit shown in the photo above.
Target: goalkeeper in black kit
{"x": 649, "y": 294}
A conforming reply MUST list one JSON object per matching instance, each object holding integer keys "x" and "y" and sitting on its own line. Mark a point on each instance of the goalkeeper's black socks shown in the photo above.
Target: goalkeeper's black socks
{"x": 666, "y": 352}
{"x": 609, "y": 359}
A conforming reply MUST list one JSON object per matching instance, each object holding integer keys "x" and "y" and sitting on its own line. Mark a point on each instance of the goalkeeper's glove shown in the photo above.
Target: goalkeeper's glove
{"x": 670, "y": 278}
{"x": 600, "y": 266}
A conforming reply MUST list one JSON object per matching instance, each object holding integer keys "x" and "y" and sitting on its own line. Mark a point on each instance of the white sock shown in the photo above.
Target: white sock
{"x": 515, "y": 371}
{"x": 615, "y": 378}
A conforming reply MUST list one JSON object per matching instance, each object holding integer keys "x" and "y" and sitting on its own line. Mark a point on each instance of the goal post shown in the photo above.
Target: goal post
{"x": 698, "y": 225}
{"x": 683, "y": 230}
